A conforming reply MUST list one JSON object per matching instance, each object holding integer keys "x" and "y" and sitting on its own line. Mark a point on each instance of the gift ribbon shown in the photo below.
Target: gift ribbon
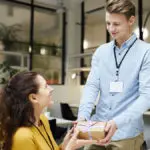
{"x": 86, "y": 128}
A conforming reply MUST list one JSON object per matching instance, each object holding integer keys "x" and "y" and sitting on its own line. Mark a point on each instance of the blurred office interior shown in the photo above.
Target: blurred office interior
{"x": 58, "y": 38}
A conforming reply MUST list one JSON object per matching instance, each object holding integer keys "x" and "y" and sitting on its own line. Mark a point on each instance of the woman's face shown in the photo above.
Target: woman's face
{"x": 44, "y": 95}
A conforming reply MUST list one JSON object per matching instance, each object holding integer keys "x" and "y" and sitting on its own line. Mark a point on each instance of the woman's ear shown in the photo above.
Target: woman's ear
{"x": 33, "y": 98}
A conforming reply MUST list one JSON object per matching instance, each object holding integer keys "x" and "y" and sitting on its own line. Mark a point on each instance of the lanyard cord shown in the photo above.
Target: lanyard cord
{"x": 118, "y": 65}
{"x": 48, "y": 136}
{"x": 44, "y": 136}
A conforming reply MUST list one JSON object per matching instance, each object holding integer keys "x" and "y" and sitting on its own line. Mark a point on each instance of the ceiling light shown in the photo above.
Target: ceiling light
{"x": 43, "y": 51}
{"x": 85, "y": 44}
{"x": 74, "y": 75}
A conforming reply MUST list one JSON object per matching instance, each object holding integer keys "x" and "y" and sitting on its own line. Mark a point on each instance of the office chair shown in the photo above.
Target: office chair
{"x": 146, "y": 119}
{"x": 67, "y": 112}
{"x": 57, "y": 131}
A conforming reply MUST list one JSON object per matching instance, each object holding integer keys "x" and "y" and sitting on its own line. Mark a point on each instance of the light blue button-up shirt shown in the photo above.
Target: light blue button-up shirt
{"x": 125, "y": 108}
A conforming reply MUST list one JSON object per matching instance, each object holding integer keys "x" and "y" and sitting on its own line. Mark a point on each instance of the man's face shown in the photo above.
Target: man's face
{"x": 119, "y": 26}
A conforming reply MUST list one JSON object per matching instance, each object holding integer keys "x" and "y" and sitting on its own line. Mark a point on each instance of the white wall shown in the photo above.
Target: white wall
{"x": 67, "y": 93}
{"x": 96, "y": 34}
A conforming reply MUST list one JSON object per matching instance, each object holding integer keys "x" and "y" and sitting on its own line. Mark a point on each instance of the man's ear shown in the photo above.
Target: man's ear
{"x": 132, "y": 20}
{"x": 33, "y": 98}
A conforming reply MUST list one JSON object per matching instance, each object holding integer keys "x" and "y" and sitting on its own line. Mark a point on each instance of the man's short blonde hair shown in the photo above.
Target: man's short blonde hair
{"x": 125, "y": 7}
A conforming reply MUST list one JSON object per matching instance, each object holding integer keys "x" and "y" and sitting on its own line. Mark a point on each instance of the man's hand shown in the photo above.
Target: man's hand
{"x": 110, "y": 129}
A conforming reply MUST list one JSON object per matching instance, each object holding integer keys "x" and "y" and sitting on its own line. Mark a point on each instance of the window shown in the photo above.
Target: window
{"x": 48, "y": 45}
{"x": 16, "y": 41}
{"x": 146, "y": 21}
{"x": 95, "y": 31}
{"x": 14, "y": 34}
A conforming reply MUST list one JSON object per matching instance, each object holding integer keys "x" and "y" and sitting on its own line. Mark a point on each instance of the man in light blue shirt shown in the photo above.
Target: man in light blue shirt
{"x": 120, "y": 71}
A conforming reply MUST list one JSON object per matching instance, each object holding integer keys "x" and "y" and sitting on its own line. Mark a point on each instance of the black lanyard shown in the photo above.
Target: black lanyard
{"x": 44, "y": 136}
{"x": 118, "y": 65}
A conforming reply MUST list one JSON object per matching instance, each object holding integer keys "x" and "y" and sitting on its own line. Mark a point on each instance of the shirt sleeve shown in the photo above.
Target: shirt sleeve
{"x": 137, "y": 108}
{"x": 23, "y": 140}
{"x": 91, "y": 90}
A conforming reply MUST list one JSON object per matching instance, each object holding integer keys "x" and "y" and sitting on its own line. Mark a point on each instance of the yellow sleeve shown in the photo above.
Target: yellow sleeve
{"x": 23, "y": 140}
{"x": 60, "y": 147}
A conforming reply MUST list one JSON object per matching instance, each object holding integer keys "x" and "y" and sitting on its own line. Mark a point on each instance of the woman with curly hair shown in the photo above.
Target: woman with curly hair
{"x": 22, "y": 125}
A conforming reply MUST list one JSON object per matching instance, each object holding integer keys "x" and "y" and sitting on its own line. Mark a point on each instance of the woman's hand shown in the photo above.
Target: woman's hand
{"x": 68, "y": 136}
{"x": 75, "y": 143}
{"x": 67, "y": 139}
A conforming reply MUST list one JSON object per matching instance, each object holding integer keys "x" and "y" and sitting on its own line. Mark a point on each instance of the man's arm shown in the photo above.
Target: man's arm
{"x": 137, "y": 108}
{"x": 91, "y": 90}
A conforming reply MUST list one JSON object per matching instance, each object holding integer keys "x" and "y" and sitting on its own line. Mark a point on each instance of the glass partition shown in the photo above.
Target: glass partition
{"x": 47, "y": 54}
{"x": 14, "y": 32}
{"x": 95, "y": 30}
{"x": 15, "y": 38}
{"x": 146, "y": 21}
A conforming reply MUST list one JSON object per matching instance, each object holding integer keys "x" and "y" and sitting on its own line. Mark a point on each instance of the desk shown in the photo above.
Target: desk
{"x": 60, "y": 121}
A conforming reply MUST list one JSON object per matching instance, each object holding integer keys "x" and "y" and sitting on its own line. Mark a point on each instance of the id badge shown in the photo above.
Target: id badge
{"x": 116, "y": 87}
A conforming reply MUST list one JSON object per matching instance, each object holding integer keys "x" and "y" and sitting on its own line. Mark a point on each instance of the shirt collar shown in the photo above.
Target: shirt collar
{"x": 127, "y": 43}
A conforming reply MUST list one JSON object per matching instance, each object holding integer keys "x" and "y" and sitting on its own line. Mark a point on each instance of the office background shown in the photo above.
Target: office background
{"x": 57, "y": 38}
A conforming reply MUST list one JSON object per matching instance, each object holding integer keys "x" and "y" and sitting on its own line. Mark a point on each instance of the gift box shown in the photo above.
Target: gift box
{"x": 91, "y": 130}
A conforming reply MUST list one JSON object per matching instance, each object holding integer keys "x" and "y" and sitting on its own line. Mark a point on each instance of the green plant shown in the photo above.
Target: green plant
{"x": 56, "y": 75}
{"x": 6, "y": 72}
{"x": 48, "y": 75}
{"x": 49, "y": 78}
{"x": 8, "y": 34}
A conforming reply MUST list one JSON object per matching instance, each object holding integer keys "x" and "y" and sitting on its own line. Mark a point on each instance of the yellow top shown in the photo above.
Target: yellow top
{"x": 29, "y": 138}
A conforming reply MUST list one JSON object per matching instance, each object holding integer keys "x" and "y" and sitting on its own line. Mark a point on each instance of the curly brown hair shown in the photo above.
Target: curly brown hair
{"x": 16, "y": 110}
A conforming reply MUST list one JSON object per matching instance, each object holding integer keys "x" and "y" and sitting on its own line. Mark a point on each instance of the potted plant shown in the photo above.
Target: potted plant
{"x": 6, "y": 72}
{"x": 56, "y": 77}
{"x": 49, "y": 78}
{"x": 9, "y": 34}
